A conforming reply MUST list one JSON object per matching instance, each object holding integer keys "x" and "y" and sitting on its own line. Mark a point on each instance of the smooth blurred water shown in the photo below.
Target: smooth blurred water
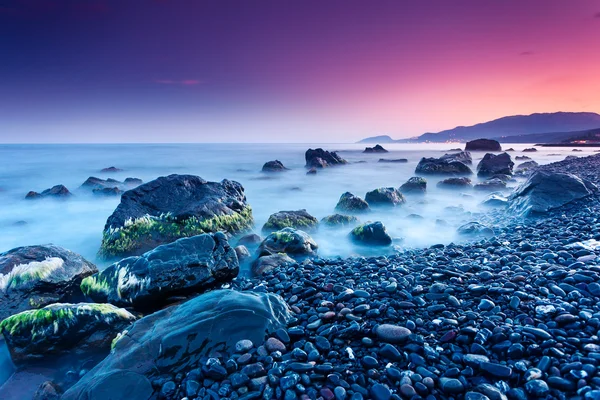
{"x": 77, "y": 223}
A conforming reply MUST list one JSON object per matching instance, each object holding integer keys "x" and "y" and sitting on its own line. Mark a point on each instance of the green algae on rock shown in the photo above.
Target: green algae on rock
{"x": 63, "y": 328}
{"x": 172, "y": 207}
{"x": 299, "y": 219}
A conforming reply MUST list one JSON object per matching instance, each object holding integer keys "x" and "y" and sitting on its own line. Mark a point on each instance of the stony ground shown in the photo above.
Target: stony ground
{"x": 516, "y": 316}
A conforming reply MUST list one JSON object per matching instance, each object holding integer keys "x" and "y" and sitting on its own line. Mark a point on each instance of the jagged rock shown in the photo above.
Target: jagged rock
{"x": 544, "y": 191}
{"x": 35, "y": 276}
{"x": 483, "y": 145}
{"x": 289, "y": 241}
{"x": 300, "y": 219}
{"x": 351, "y": 204}
{"x": 371, "y": 233}
{"x": 175, "y": 339}
{"x": 339, "y": 220}
{"x": 492, "y": 184}
{"x": 463, "y": 156}
{"x": 58, "y": 329}
{"x": 376, "y": 149}
{"x": 319, "y": 158}
{"x": 274, "y": 166}
{"x": 475, "y": 229}
{"x": 188, "y": 265}
{"x": 438, "y": 166}
{"x": 492, "y": 164}
{"x": 455, "y": 183}
{"x": 495, "y": 200}
{"x": 415, "y": 185}
{"x": 171, "y": 207}
{"x": 385, "y": 197}
{"x": 522, "y": 158}
{"x": 530, "y": 150}
{"x": 57, "y": 192}
{"x": 106, "y": 186}
{"x": 527, "y": 165}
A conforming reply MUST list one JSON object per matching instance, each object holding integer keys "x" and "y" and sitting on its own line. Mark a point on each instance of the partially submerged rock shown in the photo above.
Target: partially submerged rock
{"x": 319, "y": 158}
{"x": 115, "y": 191}
{"x": 393, "y": 160}
{"x": 172, "y": 207}
{"x": 438, "y": 166}
{"x": 111, "y": 169}
{"x": 57, "y": 192}
{"x": 455, "y": 183}
{"x": 462, "y": 156}
{"x": 375, "y": 149}
{"x": 351, "y": 204}
{"x": 483, "y": 145}
{"x": 274, "y": 166}
{"x": 175, "y": 339}
{"x": 527, "y": 165}
{"x": 105, "y": 186}
{"x": 289, "y": 241}
{"x": 371, "y": 233}
{"x": 63, "y": 328}
{"x": 530, "y": 150}
{"x": 266, "y": 264}
{"x": 188, "y": 265}
{"x": 387, "y": 196}
{"x": 415, "y": 185}
{"x": 492, "y": 164}
{"x": 495, "y": 200}
{"x": 490, "y": 185}
{"x": 544, "y": 191}
{"x": 35, "y": 276}
{"x": 475, "y": 229}
{"x": 339, "y": 220}
{"x": 300, "y": 219}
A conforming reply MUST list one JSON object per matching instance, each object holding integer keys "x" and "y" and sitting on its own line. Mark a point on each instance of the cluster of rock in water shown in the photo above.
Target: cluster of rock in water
{"x": 511, "y": 314}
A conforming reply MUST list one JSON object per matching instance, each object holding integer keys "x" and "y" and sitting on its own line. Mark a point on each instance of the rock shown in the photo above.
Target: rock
{"x": 455, "y": 183}
{"x": 462, "y": 156}
{"x": 300, "y": 219}
{"x": 438, "y": 166}
{"x": 57, "y": 192}
{"x": 376, "y": 149}
{"x": 394, "y": 160}
{"x": 527, "y": 165}
{"x": 249, "y": 240}
{"x": 339, "y": 220}
{"x": 371, "y": 233}
{"x": 522, "y": 158}
{"x": 351, "y": 204}
{"x": 392, "y": 333}
{"x": 495, "y": 164}
{"x": 47, "y": 391}
{"x": 172, "y": 207}
{"x": 106, "y": 186}
{"x": 483, "y": 145}
{"x": 188, "y": 265}
{"x": 115, "y": 191}
{"x": 176, "y": 338}
{"x": 490, "y": 185}
{"x": 530, "y": 150}
{"x": 242, "y": 253}
{"x": 274, "y": 166}
{"x": 35, "y": 276}
{"x": 415, "y": 185}
{"x": 380, "y": 392}
{"x": 495, "y": 200}
{"x": 58, "y": 329}
{"x": 289, "y": 241}
{"x": 266, "y": 264}
{"x": 544, "y": 191}
{"x": 475, "y": 229}
{"x": 385, "y": 197}
{"x": 312, "y": 171}
{"x": 451, "y": 386}
{"x": 537, "y": 388}
{"x": 111, "y": 169}
{"x": 320, "y": 158}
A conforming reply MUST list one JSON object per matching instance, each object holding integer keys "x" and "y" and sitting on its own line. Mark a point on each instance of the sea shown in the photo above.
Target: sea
{"x": 77, "y": 223}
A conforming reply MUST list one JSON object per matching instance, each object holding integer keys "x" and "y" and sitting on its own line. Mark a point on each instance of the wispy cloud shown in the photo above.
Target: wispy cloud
{"x": 183, "y": 82}
{"x": 527, "y": 53}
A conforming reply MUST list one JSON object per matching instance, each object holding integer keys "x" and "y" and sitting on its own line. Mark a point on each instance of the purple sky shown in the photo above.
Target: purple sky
{"x": 287, "y": 71}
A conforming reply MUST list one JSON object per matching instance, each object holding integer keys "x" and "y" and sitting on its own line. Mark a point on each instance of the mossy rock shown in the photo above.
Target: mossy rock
{"x": 339, "y": 220}
{"x": 371, "y": 233}
{"x": 58, "y": 329}
{"x": 350, "y": 203}
{"x": 415, "y": 185}
{"x": 290, "y": 241}
{"x": 299, "y": 219}
{"x": 386, "y": 196}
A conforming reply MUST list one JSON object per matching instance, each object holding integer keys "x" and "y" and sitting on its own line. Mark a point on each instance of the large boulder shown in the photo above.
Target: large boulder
{"x": 527, "y": 165}
{"x": 371, "y": 233}
{"x": 376, "y": 149}
{"x": 56, "y": 192}
{"x": 483, "y": 145}
{"x": 415, "y": 185}
{"x": 188, "y": 265}
{"x": 319, "y": 158}
{"x": 492, "y": 164}
{"x": 351, "y": 204}
{"x": 35, "y": 276}
{"x": 266, "y": 264}
{"x": 289, "y": 241}
{"x": 300, "y": 219}
{"x": 385, "y": 197}
{"x": 462, "y": 156}
{"x": 176, "y": 339}
{"x": 544, "y": 191}
{"x": 172, "y": 207}
{"x": 438, "y": 166}
{"x": 58, "y": 329}
{"x": 455, "y": 183}
{"x": 274, "y": 166}
{"x": 339, "y": 220}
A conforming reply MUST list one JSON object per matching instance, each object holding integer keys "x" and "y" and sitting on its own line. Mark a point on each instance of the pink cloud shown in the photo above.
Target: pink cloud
{"x": 184, "y": 82}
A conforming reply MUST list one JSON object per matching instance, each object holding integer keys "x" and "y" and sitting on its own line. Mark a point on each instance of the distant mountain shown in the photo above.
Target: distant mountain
{"x": 553, "y": 137}
{"x": 377, "y": 139}
{"x": 516, "y": 126}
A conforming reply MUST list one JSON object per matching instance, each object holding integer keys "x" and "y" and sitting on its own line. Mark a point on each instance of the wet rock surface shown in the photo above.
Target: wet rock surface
{"x": 274, "y": 166}
{"x": 440, "y": 166}
{"x": 56, "y": 192}
{"x": 300, "y": 219}
{"x": 492, "y": 164}
{"x": 352, "y": 204}
{"x": 319, "y": 158}
{"x": 414, "y": 185}
{"x": 483, "y": 145}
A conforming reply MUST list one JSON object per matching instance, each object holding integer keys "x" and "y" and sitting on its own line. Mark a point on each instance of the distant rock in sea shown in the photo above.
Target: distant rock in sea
{"x": 376, "y": 149}
{"x": 274, "y": 166}
{"x": 111, "y": 169}
{"x": 319, "y": 158}
{"x": 483, "y": 145}
{"x": 378, "y": 139}
{"x": 395, "y": 160}
{"x": 58, "y": 192}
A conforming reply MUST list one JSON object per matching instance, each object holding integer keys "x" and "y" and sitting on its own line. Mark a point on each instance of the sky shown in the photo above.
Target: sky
{"x": 287, "y": 71}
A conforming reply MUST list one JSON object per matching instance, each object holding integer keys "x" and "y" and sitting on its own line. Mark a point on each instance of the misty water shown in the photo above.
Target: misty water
{"x": 77, "y": 223}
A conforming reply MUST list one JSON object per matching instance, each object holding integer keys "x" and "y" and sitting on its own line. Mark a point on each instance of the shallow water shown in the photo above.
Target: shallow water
{"x": 77, "y": 223}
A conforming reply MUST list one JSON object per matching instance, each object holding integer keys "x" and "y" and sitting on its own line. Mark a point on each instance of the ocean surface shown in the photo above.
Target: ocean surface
{"x": 77, "y": 223}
